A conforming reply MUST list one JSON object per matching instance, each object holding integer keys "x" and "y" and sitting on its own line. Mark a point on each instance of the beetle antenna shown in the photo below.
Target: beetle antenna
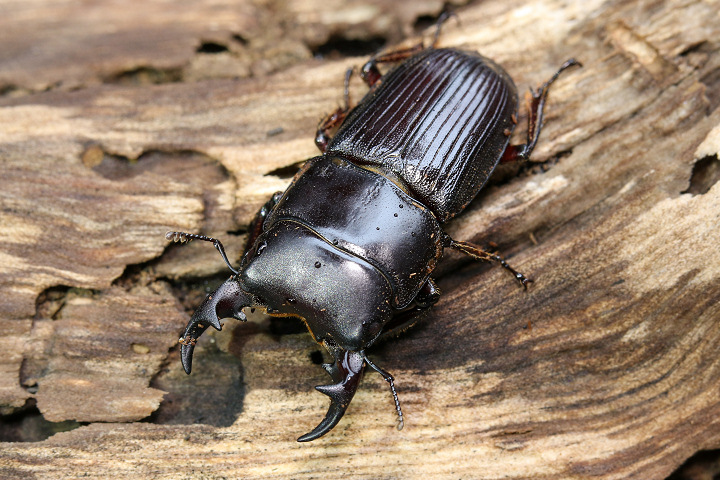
{"x": 388, "y": 378}
{"x": 183, "y": 237}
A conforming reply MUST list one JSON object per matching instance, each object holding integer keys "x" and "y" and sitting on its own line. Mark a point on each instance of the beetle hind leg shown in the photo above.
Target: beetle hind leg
{"x": 479, "y": 254}
{"x": 536, "y": 107}
{"x": 370, "y": 72}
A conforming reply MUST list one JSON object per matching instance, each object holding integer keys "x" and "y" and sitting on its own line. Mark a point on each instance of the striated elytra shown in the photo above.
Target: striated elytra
{"x": 350, "y": 246}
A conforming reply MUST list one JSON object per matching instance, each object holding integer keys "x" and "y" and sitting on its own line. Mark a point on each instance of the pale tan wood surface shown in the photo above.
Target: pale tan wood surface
{"x": 606, "y": 368}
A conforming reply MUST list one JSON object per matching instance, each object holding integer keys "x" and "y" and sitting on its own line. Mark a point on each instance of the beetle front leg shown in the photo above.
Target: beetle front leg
{"x": 479, "y": 254}
{"x": 536, "y": 106}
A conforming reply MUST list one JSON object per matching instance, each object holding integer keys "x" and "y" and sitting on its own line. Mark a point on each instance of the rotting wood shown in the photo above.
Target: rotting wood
{"x": 606, "y": 368}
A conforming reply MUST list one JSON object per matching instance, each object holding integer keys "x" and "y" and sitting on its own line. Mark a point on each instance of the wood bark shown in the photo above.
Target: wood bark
{"x": 119, "y": 124}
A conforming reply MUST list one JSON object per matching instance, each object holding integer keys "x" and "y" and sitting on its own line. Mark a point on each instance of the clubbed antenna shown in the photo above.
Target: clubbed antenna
{"x": 388, "y": 378}
{"x": 183, "y": 237}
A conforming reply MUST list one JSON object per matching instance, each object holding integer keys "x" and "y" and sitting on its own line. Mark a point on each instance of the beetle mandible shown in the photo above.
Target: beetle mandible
{"x": 349, "y": 247}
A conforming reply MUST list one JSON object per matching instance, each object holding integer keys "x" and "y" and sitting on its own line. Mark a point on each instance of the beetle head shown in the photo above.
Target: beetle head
{"x": 290, "y": 270}
{"x": 343, "y": 299}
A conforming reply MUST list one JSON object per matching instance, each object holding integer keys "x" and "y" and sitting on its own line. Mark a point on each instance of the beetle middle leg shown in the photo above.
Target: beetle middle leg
{"x": 327, "y": 124}
{"x": 479, "y": 254}
{"x": 536, "y": 106}
{"x": 256, "y": 226}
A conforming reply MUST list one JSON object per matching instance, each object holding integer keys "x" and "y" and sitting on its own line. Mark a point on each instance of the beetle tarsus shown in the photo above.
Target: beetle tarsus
{"x": 444, "y": 17}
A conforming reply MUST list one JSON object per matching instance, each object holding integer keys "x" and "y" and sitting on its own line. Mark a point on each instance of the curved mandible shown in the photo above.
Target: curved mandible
{"x": 226, "y": 302}
{"x": 346, "y": 371}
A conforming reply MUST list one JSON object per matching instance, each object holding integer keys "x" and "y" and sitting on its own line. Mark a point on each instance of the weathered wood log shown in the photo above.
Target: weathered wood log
{"x": 607, "y": 367}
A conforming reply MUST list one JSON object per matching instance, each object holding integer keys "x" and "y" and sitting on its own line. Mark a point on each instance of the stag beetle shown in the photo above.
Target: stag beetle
{"x": 350, "y": 245}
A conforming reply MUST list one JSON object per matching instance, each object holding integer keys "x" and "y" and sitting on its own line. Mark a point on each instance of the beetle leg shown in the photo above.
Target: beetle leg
{"x": 346, "y": 372}
{"x": 479, "y": 254}
{"x": 536, "y": 105}
{"x": 428, "y": 296}
{"x": 256, "y": 227}
{"x": 322, "y": 136}
{"x": 444, "y": 17}
{"x": 370, "y": 72}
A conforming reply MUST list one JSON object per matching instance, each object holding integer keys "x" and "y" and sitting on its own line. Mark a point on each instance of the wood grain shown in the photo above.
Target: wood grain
{"x": 606, "y": 368}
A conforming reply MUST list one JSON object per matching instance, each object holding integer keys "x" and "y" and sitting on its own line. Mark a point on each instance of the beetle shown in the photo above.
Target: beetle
{"x": 350, "y": 246}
